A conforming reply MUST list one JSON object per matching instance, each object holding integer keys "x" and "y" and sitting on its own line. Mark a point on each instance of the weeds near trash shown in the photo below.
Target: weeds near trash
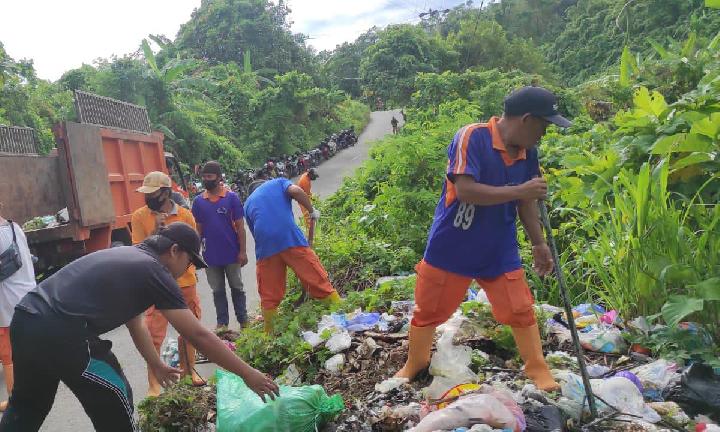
{"x": 273, "y": 353}
{"x": 684, "y": 344}
{"x": 180, "y": 408}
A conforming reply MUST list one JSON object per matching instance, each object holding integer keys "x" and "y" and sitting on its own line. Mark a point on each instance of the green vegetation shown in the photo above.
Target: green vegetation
{"x": 181, "y": 408}
{"x": 634, "y": 181}
{"x": 635, "y": 184}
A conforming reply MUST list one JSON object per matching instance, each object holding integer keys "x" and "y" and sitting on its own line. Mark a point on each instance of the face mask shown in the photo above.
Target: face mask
{"x": 155, "y": 203}
{"x": 210, "y": 184}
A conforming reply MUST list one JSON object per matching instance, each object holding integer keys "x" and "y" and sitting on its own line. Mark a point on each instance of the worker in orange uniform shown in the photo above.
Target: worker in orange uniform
{"x": 280, "y": 244}
{"x": 305, "y": 184}
{"x": 492, "y": 177}
{"x": 160, "y": 210}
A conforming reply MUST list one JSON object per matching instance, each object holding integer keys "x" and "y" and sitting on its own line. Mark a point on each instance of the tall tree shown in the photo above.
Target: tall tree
{"x": 596, "y": 31}
{"x": 342, "y": 66}
{"x": 483, "y": 44}
{"x": 389, "y": 66}
{"x": 223, "y": 30}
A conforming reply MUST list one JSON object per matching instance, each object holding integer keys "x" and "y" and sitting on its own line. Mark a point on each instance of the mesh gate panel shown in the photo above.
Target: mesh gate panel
{"x": 107, "y": 112}
{"x": 19, "y": 140}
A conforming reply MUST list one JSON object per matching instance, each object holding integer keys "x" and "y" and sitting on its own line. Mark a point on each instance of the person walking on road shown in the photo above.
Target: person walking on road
{"x": 17, "y": 278}
{"x": 394, "y": 124}
{"x": 219, "y": 216}
{"x": 280, "y": 244}
{"x": 161, "y": 210}
{"x": 305, "y": 183}
{"x": 492, "y": 176}
{"x": 56, "y": 331}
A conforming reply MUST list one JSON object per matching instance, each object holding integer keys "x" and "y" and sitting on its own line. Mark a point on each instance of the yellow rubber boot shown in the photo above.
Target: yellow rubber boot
{"x": 269, "y": 319}
{"x": 421, "y": 340}
{"x": 333, "y": 298}
{"x": 530, "y": 348}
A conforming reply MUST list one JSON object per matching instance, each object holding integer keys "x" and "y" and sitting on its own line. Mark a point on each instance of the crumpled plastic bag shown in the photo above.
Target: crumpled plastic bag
{"x": 450, "y": 365}
{"x": 170, "y": 355}
{"x": 603, "y": 338}
{"x": 597, "y": 371}
{"x": 339, "y": 341}
{"x": 508, "y": 400}
{"x": 561, "y": 333}
{"x": 362, "y": 321}
{"x": 656, "y": 376}
{"x": 298, "y": 409}
{"x": 390, "y": 384}
{"x": 352, "y": 322}
{"x": 619, "y": 392}
{"x": 671, "y": 410}
{"x": 335, "y": 363}
{"x": 478, "y": 296}
{"x": 610, "y": 317}
{"x": 312, "y": 338}
{"x": 291, "y": 376}
{"x": 632, "y": 377}
{"x": 588, "y": 309}
{"x": 467, "y": 411}
{"x": 328, "y": 322}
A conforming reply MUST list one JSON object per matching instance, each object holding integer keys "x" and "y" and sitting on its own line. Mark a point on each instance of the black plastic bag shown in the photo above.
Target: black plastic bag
{"x": 546, "y": 418}
{"x": 698, "y": 391}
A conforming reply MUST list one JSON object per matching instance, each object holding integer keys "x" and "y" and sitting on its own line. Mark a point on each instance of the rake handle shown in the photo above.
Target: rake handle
{"x": 579, "y": 352}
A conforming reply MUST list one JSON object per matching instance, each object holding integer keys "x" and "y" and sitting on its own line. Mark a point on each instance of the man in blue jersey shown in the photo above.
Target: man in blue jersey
{"x": 280, "y": 244}
{"x": 493, "y": 176}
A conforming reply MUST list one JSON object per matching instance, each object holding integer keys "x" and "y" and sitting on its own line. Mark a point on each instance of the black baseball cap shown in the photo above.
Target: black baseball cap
{"x": 185, "y": 236}
{"x": 537, "y": 101}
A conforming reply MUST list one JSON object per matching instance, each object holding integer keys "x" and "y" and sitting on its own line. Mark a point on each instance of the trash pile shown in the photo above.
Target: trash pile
{"x": 40, "y": 222}
{"x": 475, "y": 381}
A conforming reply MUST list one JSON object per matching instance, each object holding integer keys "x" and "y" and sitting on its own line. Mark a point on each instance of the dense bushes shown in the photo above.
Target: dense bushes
{"x": 633, "y": 198}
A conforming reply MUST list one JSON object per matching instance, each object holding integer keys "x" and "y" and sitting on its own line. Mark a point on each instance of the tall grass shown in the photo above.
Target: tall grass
{"x": 652, "y": 246}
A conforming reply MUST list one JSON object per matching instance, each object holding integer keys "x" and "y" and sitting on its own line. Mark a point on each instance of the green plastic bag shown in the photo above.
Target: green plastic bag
{"x": 298, "y": 409}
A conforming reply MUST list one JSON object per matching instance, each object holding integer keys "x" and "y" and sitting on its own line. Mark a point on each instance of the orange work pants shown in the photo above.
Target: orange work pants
{"x": 272, "y": 275}
{"x": 156, "y": 322}
{"x": 438, "y": 293}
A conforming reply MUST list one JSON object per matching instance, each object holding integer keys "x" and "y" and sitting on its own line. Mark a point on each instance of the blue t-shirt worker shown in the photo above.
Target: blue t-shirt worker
{"x": 492, "y": 177}
{"x": 280, "y": 244}
{"x": 219, "y": 215}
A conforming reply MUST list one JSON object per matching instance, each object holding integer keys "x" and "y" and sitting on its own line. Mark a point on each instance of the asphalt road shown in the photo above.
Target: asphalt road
{"x": 67, "y": 415}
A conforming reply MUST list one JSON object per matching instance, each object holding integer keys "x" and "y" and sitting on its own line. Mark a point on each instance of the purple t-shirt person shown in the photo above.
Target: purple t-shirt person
{"x": 217, "y": 217}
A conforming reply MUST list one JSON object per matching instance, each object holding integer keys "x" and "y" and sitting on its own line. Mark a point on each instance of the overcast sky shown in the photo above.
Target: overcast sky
{"x": 63, "y": 34}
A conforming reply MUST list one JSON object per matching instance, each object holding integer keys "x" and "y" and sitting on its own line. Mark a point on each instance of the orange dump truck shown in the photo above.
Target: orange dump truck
{"x": 93, "y": 173}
